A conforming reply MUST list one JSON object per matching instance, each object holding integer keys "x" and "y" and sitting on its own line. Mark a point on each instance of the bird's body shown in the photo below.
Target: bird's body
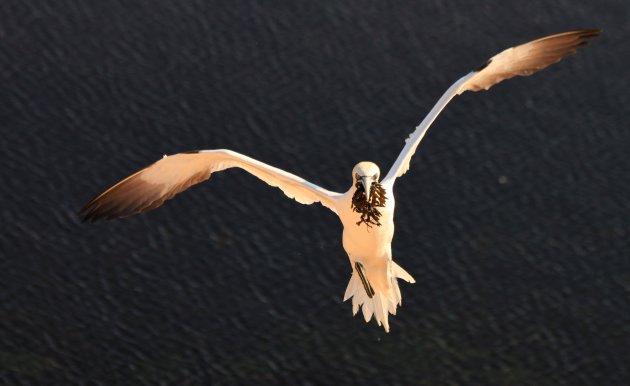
{"x": 366, "y": 209}
{"x": 371, "y": 246}
{"x": 362, "y": 240}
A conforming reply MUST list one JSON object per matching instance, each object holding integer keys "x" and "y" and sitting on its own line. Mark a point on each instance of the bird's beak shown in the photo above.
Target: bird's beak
{"x": 367, "y": 184}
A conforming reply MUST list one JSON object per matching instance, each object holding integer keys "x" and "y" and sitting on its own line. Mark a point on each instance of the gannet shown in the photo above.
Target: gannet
{"x": 366, "y": 210}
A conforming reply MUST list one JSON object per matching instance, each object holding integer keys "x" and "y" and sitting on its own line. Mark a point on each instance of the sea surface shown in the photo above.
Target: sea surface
{"x": 514, "y": 217}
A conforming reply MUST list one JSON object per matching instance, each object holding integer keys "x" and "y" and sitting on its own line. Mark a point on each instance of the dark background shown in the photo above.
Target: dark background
{"x": 514, "y": 217}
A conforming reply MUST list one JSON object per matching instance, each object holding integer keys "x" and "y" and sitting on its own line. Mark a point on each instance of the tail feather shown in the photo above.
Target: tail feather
{"x": 381, "y": 311}
{"x": 398, "y": 299}
{"x": 384, "y": 302}
{"x": 398, "y": 271}
{"x": 392, "y": 307}
{"x": 351, "y": 289}
{"x": 368, "y": 308}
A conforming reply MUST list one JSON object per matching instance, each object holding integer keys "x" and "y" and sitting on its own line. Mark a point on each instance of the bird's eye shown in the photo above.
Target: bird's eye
{"x": 375, "y": 177}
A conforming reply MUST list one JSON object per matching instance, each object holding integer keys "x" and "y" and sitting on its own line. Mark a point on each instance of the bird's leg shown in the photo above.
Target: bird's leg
{"x": 364, "y": 280}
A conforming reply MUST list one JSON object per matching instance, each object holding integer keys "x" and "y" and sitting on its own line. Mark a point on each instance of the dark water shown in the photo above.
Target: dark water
{"x": 514, "y": 218}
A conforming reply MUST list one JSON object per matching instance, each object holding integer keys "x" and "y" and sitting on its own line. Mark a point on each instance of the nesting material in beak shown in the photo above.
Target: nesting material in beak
{"x": 366, "y": 203}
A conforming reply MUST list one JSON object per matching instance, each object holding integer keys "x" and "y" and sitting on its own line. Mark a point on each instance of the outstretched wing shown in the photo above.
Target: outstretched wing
{"x": 150, "y": 187}
{"x": 522, "y": 60}
{"x": 528, "y": 58}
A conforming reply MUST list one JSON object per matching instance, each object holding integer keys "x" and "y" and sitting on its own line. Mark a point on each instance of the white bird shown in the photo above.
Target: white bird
{"x": 366, "y": 210}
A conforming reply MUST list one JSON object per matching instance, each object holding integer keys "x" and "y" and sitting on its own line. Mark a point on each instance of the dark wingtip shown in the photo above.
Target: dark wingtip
{"x": 88, "y": 214}
{"x": 96, "y": 210}
{"x": 91, "y": 215}
{"x": 585, "y": 34}
{"x": 588, "y": 34}
{"x": 100, "y": 210}
{"x": 85, "y": 214}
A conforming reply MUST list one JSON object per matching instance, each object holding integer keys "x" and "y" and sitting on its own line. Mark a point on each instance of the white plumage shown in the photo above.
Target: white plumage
{"x": 366, "y": 210}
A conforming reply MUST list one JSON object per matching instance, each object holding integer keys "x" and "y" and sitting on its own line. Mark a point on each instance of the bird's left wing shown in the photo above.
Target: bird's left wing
{"x": 521, "y": 60}
{"x": 150, "y": 187}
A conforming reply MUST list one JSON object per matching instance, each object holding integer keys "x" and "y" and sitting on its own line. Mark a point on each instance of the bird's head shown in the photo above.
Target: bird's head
{"x": 366, "y": 173}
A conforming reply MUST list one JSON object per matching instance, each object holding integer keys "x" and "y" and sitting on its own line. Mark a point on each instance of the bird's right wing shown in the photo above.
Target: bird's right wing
{"x": 522, "y": 60}
{"x": 150, "y": 187}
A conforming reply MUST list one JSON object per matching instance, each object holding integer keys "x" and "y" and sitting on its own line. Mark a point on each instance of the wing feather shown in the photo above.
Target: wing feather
{"x": 150, "y": 187}
{"x": 529, "y": 58}
{"x": 522, "y": 60}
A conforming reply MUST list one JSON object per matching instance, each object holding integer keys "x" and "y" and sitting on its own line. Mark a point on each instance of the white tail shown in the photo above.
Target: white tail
{"x": 384, "y": 301}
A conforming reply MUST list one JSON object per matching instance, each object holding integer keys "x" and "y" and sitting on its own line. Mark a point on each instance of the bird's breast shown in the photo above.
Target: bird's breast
{"x": 363, "y": 241}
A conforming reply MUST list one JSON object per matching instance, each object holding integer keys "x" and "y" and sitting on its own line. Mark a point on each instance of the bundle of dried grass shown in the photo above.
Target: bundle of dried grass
{"x": 369, "y": 214}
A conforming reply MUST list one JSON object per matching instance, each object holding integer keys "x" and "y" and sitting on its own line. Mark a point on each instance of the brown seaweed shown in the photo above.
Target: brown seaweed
{"x": 370, "y": 215}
